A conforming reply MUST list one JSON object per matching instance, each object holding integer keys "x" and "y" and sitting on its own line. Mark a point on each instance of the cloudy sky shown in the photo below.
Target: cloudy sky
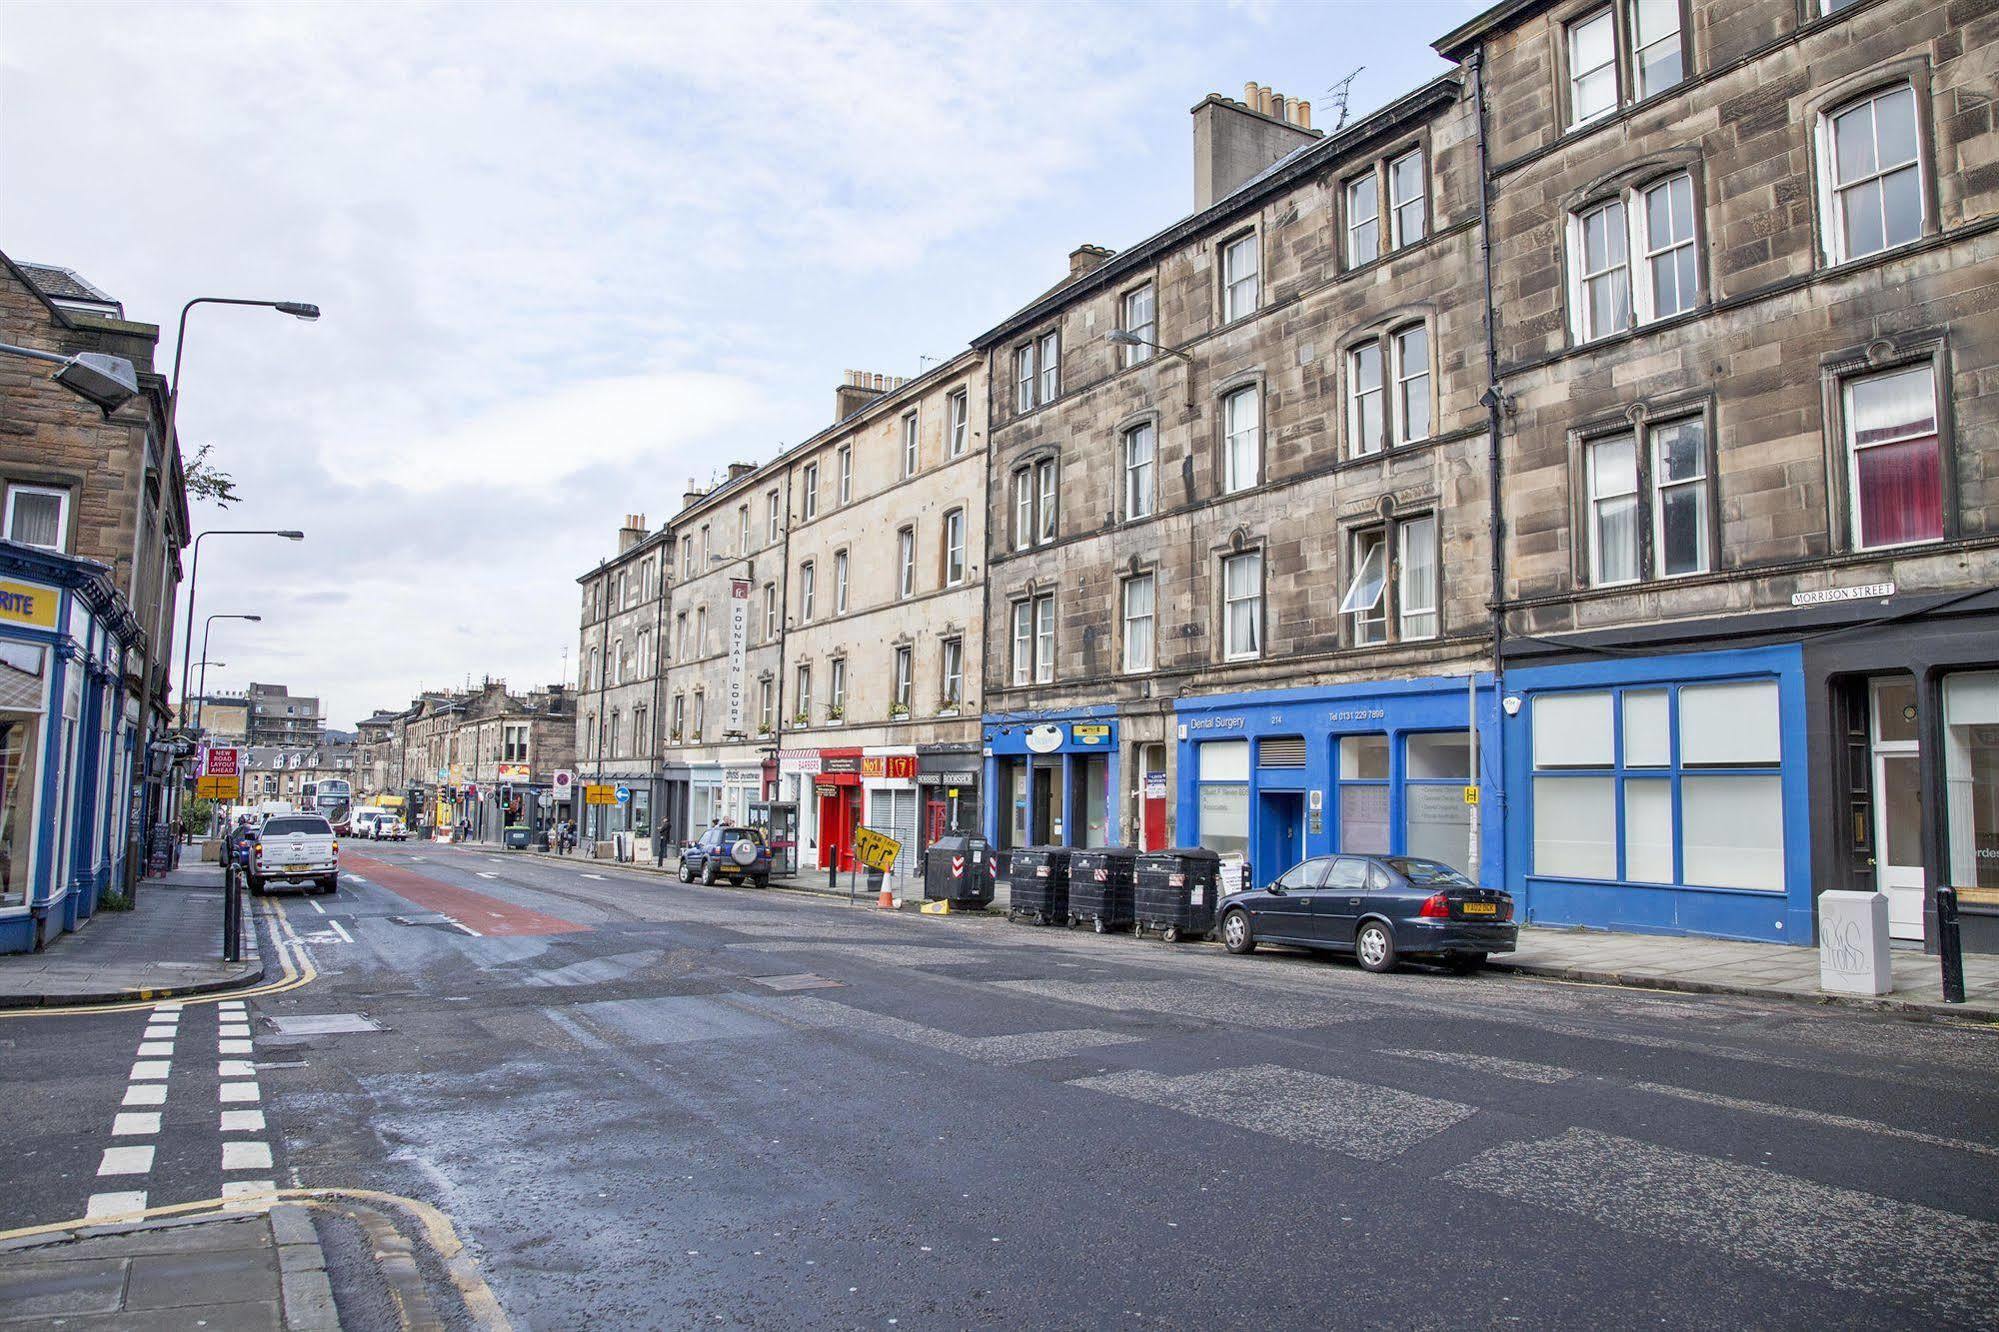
{"x": 572, "y": 255}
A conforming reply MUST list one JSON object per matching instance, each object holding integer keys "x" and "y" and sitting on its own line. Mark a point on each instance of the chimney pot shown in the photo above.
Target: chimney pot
{"x": 1303, "y": 117}
{"x": 1263, "y": 100}
{"x": 1250, "y": 93}
{"x": 1280, "y": 107}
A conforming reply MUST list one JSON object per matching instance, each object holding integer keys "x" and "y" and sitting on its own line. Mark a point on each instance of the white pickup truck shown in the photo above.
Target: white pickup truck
{"x": 295, "y": 848}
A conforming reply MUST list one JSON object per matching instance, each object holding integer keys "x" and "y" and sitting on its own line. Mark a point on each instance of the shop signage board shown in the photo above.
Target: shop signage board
{"x": 876, "y": 850}
{"x": 28, "y": 603}
{"x": 595, "y": 794}
{"x": 1862, "y": 592}
{"x": 834, "y": 764}
{"x": 949, "y": 777}
{"x": 822, "y": 790}
{"x": 889, "y": 767}
{"x": 739, "y": 639}
{"x": 513, "y": 772}
{"x": 1090, "y": 733}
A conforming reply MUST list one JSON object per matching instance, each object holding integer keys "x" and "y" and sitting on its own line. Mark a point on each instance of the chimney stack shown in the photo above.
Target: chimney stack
{"x": 737, "y": 471}
{"x": 633, "y": 532}
{"x": 692, "y": 493}
{"x": 1086, "y": 257}
{"x": 1233, "y": 141}
{"x": 858, "y": 388}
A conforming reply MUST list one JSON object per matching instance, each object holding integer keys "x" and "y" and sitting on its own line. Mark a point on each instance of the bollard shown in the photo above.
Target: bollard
{"x": 232, "y": 925}
{"x": 1950, "y": 946}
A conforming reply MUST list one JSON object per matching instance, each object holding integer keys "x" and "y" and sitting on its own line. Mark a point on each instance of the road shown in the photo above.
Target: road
{"x": 653, "y": 1105}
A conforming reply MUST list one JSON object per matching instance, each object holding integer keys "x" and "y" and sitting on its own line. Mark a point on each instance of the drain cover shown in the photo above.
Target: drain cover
{"x": 803, "y": 980}
{"x": 324, "y": 1024}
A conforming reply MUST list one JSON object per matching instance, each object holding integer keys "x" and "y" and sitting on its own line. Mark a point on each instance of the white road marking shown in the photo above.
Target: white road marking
{"x": 126, "y": 1161}
{"x": 1747, "y": 1214}
{"x": 355, "y": 878}
{"x": 1817, "y": 1117}
{"x": 598, "y": 877}
{"x": 161, "y": 1033}
{"x": 1518, "y": 1070}
{"x": 135, "y": 1124}
{"x": 236, "y": 1190}
{"x": 103, "y": 1205}
{"x": 234, "y": 1030}
{"x": 233, "y": 1047}
{"x": 150, "y": 1070}
{"x": 1351, "y": 1118}
{"x": 231, "y": 1005}
{"x": 320, "y": 909}
{"x": 239, "y": 1091}
{"x": 339, "y": 931}
{"x": 484, "y": 875}
{"x": 235, "y": 1068}
{"x": 242, "y": 1121}
{"x": 167, "y": 1006}
{"x": 463, "y": 926}
{"x": 151, "y": 1094}
{"x": 154, "y": 1049}
{"x": 246, "y": 1156}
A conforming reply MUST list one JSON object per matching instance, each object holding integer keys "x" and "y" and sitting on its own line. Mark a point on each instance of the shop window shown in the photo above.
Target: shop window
{"x": 1436, "y": 821}
{"x": 1630, "y": 781}
{"x": 1894, "y": 457}
{"x": 1364, "y": 802}
{"x": 1971, "y": 778}
{"x": 1871, "y": 174}
{"x": 1222, "y": 767}
{"x": 23, "y": 671}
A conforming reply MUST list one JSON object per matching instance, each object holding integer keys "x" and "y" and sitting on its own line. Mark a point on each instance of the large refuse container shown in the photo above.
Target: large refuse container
{"x": 1040, "y": 885}
{"x": 1100, "y": 887}
{"x": 517, "y": 837}
{"x": 958, "y": 870}
{"x": 1174, "y": 892}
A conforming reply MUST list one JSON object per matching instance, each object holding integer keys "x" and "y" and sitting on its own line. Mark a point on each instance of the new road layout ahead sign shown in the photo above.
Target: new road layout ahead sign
{"x": 221, "y": 774}
{"x": 876, "y": 850}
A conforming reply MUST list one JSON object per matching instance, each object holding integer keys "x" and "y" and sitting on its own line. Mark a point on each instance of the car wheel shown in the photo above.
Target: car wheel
{"x": 1464, "y": 964}
{"x": 256, "y": 886}
{"x": 708, "y": 872}
{"x": 1101, "y": 927}
{"x": 686, "y": 875}
{"x": 329, "y": 884}
{"x": 1236, "y": 935}
{"x": 1171, "y": 934}
{"x": 760, "y": 881}
{"x": 1375, "y": 947}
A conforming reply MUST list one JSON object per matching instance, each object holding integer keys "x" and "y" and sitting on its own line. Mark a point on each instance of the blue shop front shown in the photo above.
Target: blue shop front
{"x": 1052, "y": 778}
{"x": 1662, "y": 794}
{"x": 1381, "y": 767}
{"x": 67, "y": 742}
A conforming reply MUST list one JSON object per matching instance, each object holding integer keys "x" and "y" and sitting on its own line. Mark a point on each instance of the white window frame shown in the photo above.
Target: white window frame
{"x": 1138, "y": 315}
{"x": 1367, "y": 617}
{"x": 1409, "y": 384}
{"x": 1047, "y": 482}
{"x": 911, "y": 445}
{"x": 1048, "y": 360}
{"x": 1406, "y": 614}
{"x": 1597, "y": 497}
{"x": 1576, "y": 75}
{"x": 904, "y": 678}
{"x": 1251, "y": 603}
{"x": 960, "y": 408}
{"x": 1833, "y": 191}
{"x": 846, "y": 474}
{"x": 1407, "y": 234}
{"x": 770, "y": 613}
{"x": 1655, "y": 488}
{"x": 1023, "y": 642}
{"x": 951, "y": 663}
{"x": 772, "y": 506}
{"x": 1369, "y": 180}
{"x": 61, "y": 495}
{"x": 1023, "y": 377}
{"x": 1650, "y": 252}
{"x": 840, "y": 567}
{"x": 836, "y": 689}
{"x": 1853, "y": 449}
{"x": 1360, "y": 442}
{"x": 1044, "y": 638}
{"x": 809, "y": 483}
{"x": 1616, "y": 268}
{"x": 1140, "y": 474}
{"x": 1136, "y": 663}
{"x": 1634, "y": 15}
{"x": 905, "y": 563}
{"x": 954, "y": 547}
{"x": 802, "y": 681}
{"x": 1239, "y": 438}
{"x": 807, "y": 591}
{"x": 1242, "y": 276}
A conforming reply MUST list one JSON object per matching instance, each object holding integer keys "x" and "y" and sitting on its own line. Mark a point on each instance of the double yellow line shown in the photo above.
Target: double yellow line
{"x": 292, "y": 957}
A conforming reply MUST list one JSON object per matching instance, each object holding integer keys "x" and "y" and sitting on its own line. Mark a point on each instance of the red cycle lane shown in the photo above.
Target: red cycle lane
{"x": 474, "y": 910}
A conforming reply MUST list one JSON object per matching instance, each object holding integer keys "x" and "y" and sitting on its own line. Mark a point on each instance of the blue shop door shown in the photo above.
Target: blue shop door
{"x": 1280, "y": 834}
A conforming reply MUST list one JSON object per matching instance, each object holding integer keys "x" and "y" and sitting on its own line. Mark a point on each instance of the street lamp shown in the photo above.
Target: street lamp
{"x": 194, "y": 573}
{"x": 207, "y": 626}
{"x": 105, "y": 382}
{"x": 1125, "y": 338}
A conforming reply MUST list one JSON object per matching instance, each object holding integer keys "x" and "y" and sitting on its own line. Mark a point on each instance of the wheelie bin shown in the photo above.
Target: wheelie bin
{"x": 1040, "y": 879}
{"x": 1100, "y": 887}
{"x": 1174, "y": 893}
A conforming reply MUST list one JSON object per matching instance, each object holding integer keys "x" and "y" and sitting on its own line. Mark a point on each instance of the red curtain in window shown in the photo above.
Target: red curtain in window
{"x": 1901, "y": 492}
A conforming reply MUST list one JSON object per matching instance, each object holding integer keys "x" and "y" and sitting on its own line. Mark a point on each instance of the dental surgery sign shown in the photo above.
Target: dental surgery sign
{"x": 27, "y": 603}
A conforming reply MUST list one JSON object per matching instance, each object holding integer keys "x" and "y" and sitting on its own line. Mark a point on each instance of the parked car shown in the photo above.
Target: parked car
{"x": 1382, "y": 909}
{"x": 391, "y": 828}
{"x": 295, "y": 848}
{"x": 365, "y": 819}
{"x": 726, "y": 852}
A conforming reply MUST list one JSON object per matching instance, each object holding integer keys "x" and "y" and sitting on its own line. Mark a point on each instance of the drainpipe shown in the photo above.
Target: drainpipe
{"x": 1495, "y": 410}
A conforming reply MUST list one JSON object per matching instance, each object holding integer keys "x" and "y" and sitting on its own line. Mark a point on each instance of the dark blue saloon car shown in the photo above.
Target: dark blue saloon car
{"x": 1382, "y": 909}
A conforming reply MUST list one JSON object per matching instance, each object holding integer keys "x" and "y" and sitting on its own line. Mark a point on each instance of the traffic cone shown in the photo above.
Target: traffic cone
{"x": 887, "y": 902}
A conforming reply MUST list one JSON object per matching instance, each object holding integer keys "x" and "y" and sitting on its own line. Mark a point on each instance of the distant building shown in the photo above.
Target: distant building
{"x": 280, "y": 717}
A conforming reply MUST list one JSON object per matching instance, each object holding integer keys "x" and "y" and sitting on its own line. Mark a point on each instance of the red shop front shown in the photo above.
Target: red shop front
{"x": 837, "y": 788}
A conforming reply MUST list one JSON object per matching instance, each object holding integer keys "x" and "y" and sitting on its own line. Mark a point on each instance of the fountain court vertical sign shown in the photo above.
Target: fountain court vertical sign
{"x": 739, "y": 634}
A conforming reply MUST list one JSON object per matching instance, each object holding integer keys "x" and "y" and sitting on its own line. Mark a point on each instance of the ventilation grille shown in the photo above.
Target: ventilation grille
{"x": 1283, "y": 752}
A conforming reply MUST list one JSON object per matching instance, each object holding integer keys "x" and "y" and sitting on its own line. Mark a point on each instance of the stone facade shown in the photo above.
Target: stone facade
{"x": 1302, "y": 492}
{"x": 485, "y": 755}
{"x": 621, "y": 657}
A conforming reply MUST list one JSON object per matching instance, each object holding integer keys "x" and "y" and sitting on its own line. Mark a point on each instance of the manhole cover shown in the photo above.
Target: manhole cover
{"x": 324, "y": 1024}
{"x": 803, "y": 980}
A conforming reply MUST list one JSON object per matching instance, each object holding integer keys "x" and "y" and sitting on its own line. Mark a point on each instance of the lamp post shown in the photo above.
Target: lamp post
{"x": 105, "y": 382}
{"x": 1119, "y": 337}
{"x": 207, "y": 626}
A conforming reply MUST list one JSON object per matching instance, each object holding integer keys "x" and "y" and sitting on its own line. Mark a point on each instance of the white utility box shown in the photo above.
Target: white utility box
{"x": 1853, "y": 943}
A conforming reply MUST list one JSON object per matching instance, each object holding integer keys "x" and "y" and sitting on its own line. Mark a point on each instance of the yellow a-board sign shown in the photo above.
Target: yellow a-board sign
{"x": 600, "y": 795}
{"x": 219, "y": 788}
{"x": 876, "y": 850}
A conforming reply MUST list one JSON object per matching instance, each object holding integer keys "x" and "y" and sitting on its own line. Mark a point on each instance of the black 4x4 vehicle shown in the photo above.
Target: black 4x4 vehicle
{"x": 726, "y": 852}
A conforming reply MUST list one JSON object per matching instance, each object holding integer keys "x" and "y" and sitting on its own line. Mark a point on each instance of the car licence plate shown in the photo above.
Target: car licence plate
{"x": 1481, "y": 908}
{"x": 297, "y": 869}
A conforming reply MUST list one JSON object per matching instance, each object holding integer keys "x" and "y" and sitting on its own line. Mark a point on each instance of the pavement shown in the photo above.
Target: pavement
{"x": 262, "y": 1270}
{"x": 626, "y": 1101}
{"x": 169, "y": 944}
{"x": 1725, "y": 966}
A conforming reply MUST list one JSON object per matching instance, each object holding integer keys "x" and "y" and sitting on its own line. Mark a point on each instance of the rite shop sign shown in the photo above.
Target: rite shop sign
{"x": 28, "y": 603}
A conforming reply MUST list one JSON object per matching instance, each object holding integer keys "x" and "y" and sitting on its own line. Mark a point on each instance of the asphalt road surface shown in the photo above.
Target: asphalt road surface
{"x": 646, "y": 1104}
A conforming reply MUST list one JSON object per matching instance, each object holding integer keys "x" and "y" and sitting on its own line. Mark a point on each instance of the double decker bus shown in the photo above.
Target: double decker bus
{"x": 333, "y": 797}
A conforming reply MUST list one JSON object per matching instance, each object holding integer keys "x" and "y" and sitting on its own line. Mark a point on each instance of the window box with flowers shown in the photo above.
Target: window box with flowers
{"x": 801, "y": 720}
{"x": 836, "y": 713}
{"x": 676, "y": 737}
{"x": 763, "y": 728}
{"x": 898, "y": 710}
